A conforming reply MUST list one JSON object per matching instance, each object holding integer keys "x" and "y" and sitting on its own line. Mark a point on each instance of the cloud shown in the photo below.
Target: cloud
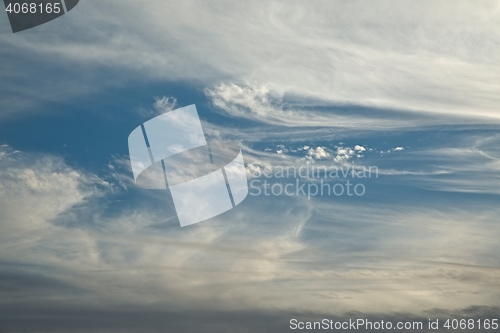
{"x": 317, "y": 153}
{"x": 161, "y": 105}
{"x": 359, "y": 148}
{"x": 35, "y": 189}
{"x": 297, "y": 73}
{"x": 468, "y": 165}
{"x": 165, "y": 104}
{"x": 54, "y": 223}
{"x": 152, "y": 319}
{"x": 424, "y": 58}
{"x": 279, "y": 258}
{"x": 258, "y": 103}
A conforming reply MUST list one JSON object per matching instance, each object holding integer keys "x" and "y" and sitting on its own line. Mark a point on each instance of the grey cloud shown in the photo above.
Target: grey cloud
{"x": 132, "y": 319}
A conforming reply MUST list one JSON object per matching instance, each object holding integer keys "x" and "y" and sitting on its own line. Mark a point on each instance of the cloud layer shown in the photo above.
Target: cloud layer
{"x": 422, "y": 57}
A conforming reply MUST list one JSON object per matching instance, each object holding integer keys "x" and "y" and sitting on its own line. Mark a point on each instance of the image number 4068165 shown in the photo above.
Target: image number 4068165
{"x": 27, "y": 14}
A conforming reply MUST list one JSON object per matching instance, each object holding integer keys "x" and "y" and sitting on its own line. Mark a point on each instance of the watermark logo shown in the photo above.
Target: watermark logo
{"x": 205, "y": 179}
{"x": 27, "y": 14}
{"x": 309, "y": 180}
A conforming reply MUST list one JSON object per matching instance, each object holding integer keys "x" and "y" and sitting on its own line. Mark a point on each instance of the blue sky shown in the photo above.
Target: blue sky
{"x": 411, "y": 89}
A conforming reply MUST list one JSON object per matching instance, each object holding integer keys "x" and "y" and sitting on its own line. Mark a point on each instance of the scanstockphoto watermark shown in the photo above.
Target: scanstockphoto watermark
{"x": 310, "y": 180}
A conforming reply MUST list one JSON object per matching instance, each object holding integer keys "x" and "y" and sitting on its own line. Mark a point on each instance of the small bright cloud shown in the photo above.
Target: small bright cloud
{"x": 165, "y": 104}
{"x": 318, "y": 153}
{"x": 359, "y": 148}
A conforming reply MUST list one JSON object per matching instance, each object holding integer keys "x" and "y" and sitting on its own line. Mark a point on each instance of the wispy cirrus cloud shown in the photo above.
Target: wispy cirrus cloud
{"x": 468, "y": 165}
{"x": 297, "y": 75}
{"x": 246, "y": 260}
{"x": 424, "y": 57}
{"x": 258, "y": 103}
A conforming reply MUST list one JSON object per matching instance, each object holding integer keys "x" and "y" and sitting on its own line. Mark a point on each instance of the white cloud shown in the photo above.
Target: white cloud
{"x": 344, "y": 154}
{"x": 161, "y": 105}
{"x": 422, "y": 57}
{"x": 165, "y": 104}
{"x": 359, "y": 148}
{"x": 258, "y": 103}
{"x": 318, "y": 153}
{"x": 34, "y": 189}
{"x": 139, "y": 254}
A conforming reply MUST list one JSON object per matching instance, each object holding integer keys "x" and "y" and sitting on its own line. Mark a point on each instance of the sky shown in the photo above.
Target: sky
{"x": 408, "y": 90}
